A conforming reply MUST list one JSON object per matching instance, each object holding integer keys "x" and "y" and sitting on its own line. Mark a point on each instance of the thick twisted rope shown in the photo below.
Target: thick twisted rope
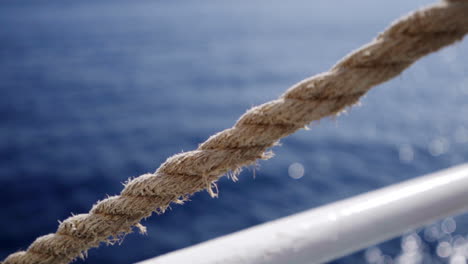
{"x": 405, "y": 41}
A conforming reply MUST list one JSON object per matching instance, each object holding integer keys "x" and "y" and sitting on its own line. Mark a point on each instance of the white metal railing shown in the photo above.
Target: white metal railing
{"x": 337, "y": 229}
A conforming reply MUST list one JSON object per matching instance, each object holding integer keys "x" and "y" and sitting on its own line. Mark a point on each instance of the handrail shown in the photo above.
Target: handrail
{"x": 337, "y": 229}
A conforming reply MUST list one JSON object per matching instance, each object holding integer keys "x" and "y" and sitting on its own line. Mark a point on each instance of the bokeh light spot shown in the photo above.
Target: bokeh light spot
{"x": 373, "y": 255}
{"x": 444, "y": 249}
{"x": 449, "y": 225}
{"x": 406, "y": 153}
{"x": 458, "y": 259}
{"x": 296, "y": 170}
{"x": 438, "y": 146}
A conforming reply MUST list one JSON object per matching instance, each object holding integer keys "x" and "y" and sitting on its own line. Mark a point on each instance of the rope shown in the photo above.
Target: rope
{"x": 325, "y": 94}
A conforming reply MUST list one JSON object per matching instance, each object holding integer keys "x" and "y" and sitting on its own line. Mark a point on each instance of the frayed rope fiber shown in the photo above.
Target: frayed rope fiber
{"x": 260, "y": 128}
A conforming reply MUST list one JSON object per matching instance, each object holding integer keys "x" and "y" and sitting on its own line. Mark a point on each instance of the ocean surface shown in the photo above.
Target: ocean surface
{"x": 94, "y": 92}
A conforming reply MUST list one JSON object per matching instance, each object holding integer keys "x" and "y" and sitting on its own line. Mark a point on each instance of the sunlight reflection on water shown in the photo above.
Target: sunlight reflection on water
{"x": 416, "y": 247}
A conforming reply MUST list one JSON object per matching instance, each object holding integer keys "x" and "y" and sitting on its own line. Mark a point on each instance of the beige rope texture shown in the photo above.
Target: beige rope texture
{"x": 405, "y": 41}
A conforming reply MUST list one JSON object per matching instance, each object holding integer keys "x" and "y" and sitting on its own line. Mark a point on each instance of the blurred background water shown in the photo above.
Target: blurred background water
{"x": 93, "y": 92}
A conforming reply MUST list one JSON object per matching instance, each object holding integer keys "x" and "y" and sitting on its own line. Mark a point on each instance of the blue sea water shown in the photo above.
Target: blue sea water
{"x": 94, "y": 92}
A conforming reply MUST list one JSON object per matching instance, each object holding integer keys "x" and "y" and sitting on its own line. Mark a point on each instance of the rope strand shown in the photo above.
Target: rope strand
{"x": 326, "y": 94}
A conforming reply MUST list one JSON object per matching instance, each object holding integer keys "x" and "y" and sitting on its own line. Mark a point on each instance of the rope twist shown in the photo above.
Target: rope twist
{"x": 408, "y": 39}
